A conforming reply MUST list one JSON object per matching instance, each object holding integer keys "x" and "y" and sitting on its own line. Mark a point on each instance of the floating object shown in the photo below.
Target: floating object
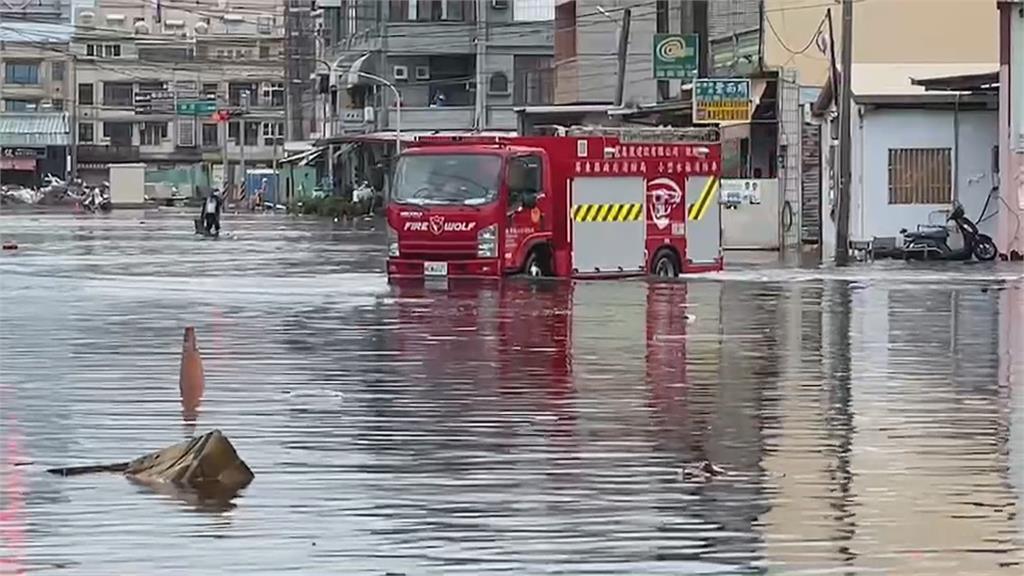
{"x": 207, "y": 464}
{"x": 191, "y": 380}
{"x": 10, "y": 245}
{"x": 703, "y": 470}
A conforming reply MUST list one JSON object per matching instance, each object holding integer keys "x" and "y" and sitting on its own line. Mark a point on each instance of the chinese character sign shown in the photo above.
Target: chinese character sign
{"x": 725, "y": 100}
{"x": 675, "y": 56}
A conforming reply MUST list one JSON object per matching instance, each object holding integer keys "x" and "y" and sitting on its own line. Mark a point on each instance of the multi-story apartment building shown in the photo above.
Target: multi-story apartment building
{"x": 35, "y": 74}
{"x": 457, "y": 64}
{"x": 149, "y": 76}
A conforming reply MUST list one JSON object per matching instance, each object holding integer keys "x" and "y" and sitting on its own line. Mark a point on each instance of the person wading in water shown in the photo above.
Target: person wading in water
{"x": 210, "y": 217}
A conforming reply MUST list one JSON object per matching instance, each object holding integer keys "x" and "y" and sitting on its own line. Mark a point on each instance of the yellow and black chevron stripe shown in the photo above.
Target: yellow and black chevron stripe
{"x": 607, "y": 212}
{"x": 707, "y": 197}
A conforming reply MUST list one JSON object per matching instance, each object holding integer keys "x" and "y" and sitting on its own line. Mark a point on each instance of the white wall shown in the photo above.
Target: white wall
{"x": 881, "y": 129}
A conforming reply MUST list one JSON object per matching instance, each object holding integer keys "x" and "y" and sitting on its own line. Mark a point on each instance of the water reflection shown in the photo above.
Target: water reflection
{"x": 868, "y": 425}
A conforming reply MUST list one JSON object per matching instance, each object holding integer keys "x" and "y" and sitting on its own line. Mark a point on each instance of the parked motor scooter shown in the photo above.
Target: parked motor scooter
{"x": 933, "y": 244}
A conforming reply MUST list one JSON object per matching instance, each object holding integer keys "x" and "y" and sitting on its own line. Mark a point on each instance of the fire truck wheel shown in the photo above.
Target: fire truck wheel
{"x": 536, "y": 265}
{"x": 666, "y": 265}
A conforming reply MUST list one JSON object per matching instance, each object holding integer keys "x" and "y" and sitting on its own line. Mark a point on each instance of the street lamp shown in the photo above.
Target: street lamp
{"x": 380, "y": 80}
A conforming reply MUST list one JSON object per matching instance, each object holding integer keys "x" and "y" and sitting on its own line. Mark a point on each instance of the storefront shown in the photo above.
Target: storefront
{"x": 33, "y": 144}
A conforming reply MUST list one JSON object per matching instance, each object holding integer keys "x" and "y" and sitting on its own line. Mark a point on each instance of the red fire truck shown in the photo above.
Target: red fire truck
{"x": 590, "y": 202}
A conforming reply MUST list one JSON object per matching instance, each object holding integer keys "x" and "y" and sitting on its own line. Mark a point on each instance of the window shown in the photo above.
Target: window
{"x": 57, "y": 104}
{"x": 117, "y": 93}
{"x": 86, "y": 132}
{"x": 211, "y": 135}
{"x": 920, "y": 175}
{"x": 57, "y": 71}
{"x": 533, "y": 10}
{"x": 565, "y": 31}
{"x": 24, "y": 73}
{"x": 252, "y": 133}
{"x": 150, "y": 87}
{"x": 20, "y": 105}
{"x": 211, "y": 90}
{"x": 233, "y": 132}
{"x": 398, "y": 10}
{"x": 430, "y": 10}
{"x": 534, "y": 82}
{"x": 273, "y": 132}
{"x": 86, "y": 94}
{"x": 524, "y": 175}
{"x": 103, "y": 50}
{"x": 119, "y": 133}
{"x": 265, "y": 24}
{"x": 352, "y": 18}
{"x": 498, "y": 83}
{"x": 152, "y": 133}
{"x": 272, "y": 94}
{"x": 264, "y": 52}
{"x": 236, "y": 90}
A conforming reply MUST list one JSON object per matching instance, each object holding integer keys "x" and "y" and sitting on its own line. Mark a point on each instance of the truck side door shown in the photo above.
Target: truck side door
{"x": 523, "y": 217}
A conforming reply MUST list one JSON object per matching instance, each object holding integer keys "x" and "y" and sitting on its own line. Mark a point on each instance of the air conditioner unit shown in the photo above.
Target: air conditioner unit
{"x": 400, "y": 73}
{"x": 499, "y": 4}
{"x": 423, "y": 72}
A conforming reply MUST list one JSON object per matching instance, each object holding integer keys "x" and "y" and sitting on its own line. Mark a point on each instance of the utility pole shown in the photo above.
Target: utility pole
{"x": 842, "y": 255}
{"x": 241, "y": 136}
{"x": 481, "y": 53}
{"x": 224, "y": 119}
{"x": 620, "y": 86}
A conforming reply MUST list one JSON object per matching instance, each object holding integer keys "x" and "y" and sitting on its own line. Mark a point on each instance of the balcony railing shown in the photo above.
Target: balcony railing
{"x": 101, "y": 153}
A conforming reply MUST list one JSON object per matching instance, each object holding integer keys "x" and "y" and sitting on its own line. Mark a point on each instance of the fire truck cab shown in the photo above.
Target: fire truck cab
{"x": 590, "y": 202}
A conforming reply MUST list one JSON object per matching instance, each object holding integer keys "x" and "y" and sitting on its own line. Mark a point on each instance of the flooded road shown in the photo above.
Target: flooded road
{"x": 869, "y": 420}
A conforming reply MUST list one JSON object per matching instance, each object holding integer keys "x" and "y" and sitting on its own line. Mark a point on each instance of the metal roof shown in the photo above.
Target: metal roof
{"x": 34, "y": 129}
{"x": 29, "y": 32}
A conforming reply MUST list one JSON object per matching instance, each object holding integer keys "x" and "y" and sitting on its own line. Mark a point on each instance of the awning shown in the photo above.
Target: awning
{"x": 344, "y": 149}
{"x": 984, "y": 82}
{"x": 356, "y": 73}
{"x": 34, "y": 129}
{"x": 302, "y": 158}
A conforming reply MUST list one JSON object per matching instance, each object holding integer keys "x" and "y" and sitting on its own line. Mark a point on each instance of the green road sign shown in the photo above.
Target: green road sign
{"x": 197, "y": 108}
{"x": 675, "y": 56}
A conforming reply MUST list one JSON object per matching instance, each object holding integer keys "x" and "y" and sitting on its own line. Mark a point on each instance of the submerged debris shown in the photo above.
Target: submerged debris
{"x": 207, "y": 464}
{"x": 703, "y": 470}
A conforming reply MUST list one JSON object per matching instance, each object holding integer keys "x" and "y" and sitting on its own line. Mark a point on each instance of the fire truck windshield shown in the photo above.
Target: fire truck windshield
{"x": 468, "y": 179}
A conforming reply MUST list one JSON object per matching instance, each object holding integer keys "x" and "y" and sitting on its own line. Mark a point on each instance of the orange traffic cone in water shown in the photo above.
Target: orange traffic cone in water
{"x": 191, "y": 381}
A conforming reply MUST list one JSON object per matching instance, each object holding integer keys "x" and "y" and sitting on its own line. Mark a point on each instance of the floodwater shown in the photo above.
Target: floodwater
{"x": 869, "y": 420}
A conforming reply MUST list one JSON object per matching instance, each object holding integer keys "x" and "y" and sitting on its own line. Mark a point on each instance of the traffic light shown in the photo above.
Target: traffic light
{"x": 224, "y": 115}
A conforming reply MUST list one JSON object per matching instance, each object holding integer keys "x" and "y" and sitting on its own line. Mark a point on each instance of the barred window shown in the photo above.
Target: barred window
{"x": 920, "y": 175}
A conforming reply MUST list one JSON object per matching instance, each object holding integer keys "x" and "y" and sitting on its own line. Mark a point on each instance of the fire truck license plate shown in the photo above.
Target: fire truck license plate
{"x": 435, "y": 268}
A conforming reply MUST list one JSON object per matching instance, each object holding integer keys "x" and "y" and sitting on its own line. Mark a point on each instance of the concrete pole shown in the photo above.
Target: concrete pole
{"x": 620, "y": 87}
{"x": 226, "y": 176}
{"x": 481, "y": 76}
{"x": 842, "y": 254}
{"x": 241, "y": 138}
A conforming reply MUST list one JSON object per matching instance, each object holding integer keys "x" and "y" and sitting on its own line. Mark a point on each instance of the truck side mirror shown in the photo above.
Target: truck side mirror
{"x": 376, "y": 178}
{"x": 529, "y": 199}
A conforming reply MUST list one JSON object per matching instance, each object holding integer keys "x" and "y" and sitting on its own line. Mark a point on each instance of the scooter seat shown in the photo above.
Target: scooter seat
{"x": 932, "y": 234}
